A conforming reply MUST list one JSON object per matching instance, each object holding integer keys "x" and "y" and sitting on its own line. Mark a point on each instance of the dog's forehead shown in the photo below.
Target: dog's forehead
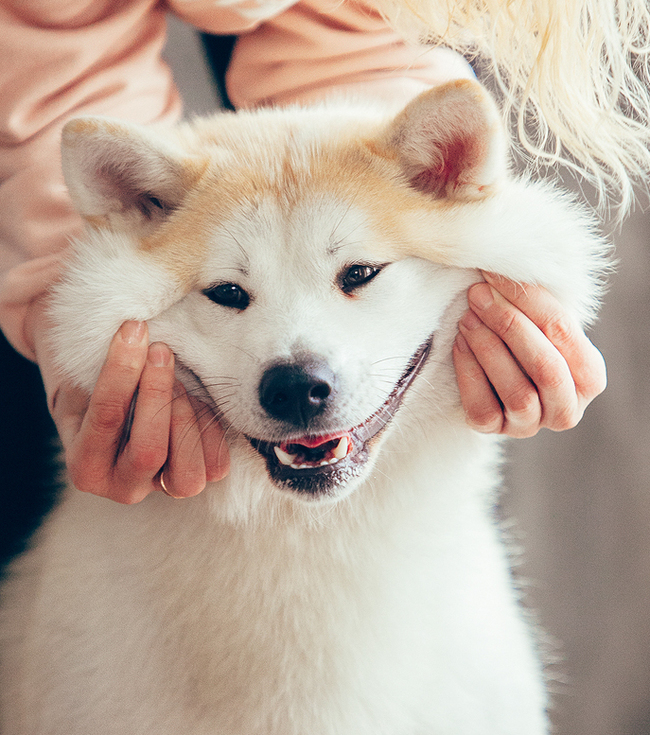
{"x": 315, "y": 200}
{"x": 305, "y": 197}
{"x": 267, "y": 233}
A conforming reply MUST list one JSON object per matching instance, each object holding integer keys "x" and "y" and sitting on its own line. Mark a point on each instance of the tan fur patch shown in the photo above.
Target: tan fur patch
{"x": 280, "y": 163}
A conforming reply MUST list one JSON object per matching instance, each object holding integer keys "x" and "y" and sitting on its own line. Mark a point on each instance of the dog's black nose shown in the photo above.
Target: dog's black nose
{"x": 296, "y": 392}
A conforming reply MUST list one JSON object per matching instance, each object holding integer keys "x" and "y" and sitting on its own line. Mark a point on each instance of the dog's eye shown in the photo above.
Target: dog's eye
{"x": 152, "y": 207}
{"x": 357, "y": 275}
{"x": 228, "y": 294}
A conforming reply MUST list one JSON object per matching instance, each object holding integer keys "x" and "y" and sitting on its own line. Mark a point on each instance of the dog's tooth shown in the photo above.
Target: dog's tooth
{"x": 341, "y": 448}
{"x": 296, "y": 466}
{"x": 284, "y": 457}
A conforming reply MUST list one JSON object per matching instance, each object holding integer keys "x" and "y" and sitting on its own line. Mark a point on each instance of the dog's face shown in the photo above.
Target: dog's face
{"x": 305, "y": 341}
{"x": 298, "y": 263}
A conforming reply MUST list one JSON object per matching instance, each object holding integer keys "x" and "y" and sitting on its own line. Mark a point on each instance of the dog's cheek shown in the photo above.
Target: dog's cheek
{"x": 99, "y": 292}
{"x": 207, "y": 343}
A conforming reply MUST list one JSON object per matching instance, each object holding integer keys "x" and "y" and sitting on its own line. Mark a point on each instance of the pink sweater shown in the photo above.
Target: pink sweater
{"x": 63, "y": 58}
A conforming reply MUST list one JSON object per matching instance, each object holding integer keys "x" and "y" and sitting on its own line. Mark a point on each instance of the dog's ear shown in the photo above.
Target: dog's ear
{"x": 122, "y": 175}
{"x": 450, "y": 142}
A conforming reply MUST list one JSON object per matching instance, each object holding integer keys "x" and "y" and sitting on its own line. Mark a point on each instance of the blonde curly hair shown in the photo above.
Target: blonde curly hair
{"x": 573, "y": 73}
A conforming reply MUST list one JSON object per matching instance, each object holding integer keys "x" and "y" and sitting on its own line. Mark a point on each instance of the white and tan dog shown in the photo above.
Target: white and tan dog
{"x": 308, "y": 268}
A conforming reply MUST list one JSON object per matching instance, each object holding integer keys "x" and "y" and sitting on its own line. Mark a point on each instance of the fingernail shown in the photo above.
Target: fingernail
{"x": 492, "y": 277}
{"x": 470, "y": 321}
{"x": 132, "y": 332}
{"x": 159, "y": 355}
{"x": 481, "y": 296}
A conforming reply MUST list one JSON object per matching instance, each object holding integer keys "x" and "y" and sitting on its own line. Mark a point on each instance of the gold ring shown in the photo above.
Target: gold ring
{"x": 163, "y": 487}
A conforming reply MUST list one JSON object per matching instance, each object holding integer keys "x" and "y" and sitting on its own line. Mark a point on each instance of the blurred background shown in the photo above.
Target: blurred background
{"x": 580, "y": 500}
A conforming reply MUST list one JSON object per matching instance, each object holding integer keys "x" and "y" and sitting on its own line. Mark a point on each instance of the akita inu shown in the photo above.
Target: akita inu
{"x": 308, "y": 268}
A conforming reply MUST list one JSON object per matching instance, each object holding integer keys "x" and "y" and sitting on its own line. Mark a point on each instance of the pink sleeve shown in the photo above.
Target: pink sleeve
{"x": 318, "y": 48}
{"x": 60, "y": 59}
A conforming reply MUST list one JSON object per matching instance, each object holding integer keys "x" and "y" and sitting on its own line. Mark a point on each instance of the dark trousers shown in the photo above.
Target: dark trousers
{"x": 27, "y": 452}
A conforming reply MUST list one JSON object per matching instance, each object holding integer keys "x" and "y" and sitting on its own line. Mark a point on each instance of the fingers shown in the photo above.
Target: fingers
{"x": 521, "y": 362}
{"x": 185, "y": 473}
{"x": 585, "y": 361}
{"x": 496, "y": 394}
{"x": 91, "y": 453}
{"x": 215, "y": 449}
{"x": 147, "y": 447}
{"x": 172, "y": 433}
{"x": 138, "y": 421}
{"x": 503, "y": 398}
{"x": 536, "y": 389}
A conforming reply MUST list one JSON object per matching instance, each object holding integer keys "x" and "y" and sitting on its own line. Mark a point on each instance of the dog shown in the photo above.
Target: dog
{"x": 308, "y": 268}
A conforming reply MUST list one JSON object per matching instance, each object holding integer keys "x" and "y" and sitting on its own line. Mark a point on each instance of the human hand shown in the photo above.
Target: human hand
{"x": 170, "y": 430}
{"x": 521, "y": 362}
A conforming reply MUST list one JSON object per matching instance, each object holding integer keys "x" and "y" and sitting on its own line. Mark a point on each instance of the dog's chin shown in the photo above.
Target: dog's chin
{"x": 326, "y": 467}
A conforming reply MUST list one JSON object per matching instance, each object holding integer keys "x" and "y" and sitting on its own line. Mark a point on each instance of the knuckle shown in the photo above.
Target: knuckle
{"x": 131, "y": 498}
{"x": 184, "y": 430}
{"x": 594, "y": 380}
{"x": 126, "y": 492}
{"x": 566, "y": 418}
{"x": 155, "y": 390}
{"x": 104, "y": 485}
{"x": 147, "y": 458}
{"x": 521, "y": 431}
{"x": 122, "y": 377}
{"x": 506, "y": 321}
{"x": 107, "y": 417}
{"x": 551, "y": 373}
{"x": 87, "y": 482}
{"x": 487, "y": 419}
{"x": 560, "y": 329}
{"x": 523, "y": 401}
{"x": 188, "y": 482}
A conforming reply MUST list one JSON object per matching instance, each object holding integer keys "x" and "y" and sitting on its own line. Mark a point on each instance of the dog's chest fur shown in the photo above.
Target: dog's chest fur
{"x": 306, "y": 624}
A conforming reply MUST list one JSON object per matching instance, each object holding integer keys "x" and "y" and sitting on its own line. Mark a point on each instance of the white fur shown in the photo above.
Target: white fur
{"x": 388, "y": 609}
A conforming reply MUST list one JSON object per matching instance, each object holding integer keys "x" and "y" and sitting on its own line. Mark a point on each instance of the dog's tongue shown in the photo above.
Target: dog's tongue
{"x": 314, "y": 441}
{"x": 314, "y": 451}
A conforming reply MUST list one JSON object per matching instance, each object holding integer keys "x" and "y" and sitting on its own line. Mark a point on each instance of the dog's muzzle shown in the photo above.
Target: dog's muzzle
{"x": 298, "y": 394}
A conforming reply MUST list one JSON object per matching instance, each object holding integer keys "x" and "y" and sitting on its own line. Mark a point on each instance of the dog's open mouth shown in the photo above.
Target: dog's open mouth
{"x": 318, "y": 464}
{"x": 316, "y": 451}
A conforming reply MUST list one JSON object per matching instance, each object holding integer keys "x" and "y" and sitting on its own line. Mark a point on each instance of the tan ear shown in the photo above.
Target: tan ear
{"x": 123, "y": 175}
{"x": 450, "y": 141}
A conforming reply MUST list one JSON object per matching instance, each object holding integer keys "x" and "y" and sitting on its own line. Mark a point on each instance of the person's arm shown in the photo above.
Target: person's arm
{"x": 321, "y": 48}
{"x": 59, "y": 60}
